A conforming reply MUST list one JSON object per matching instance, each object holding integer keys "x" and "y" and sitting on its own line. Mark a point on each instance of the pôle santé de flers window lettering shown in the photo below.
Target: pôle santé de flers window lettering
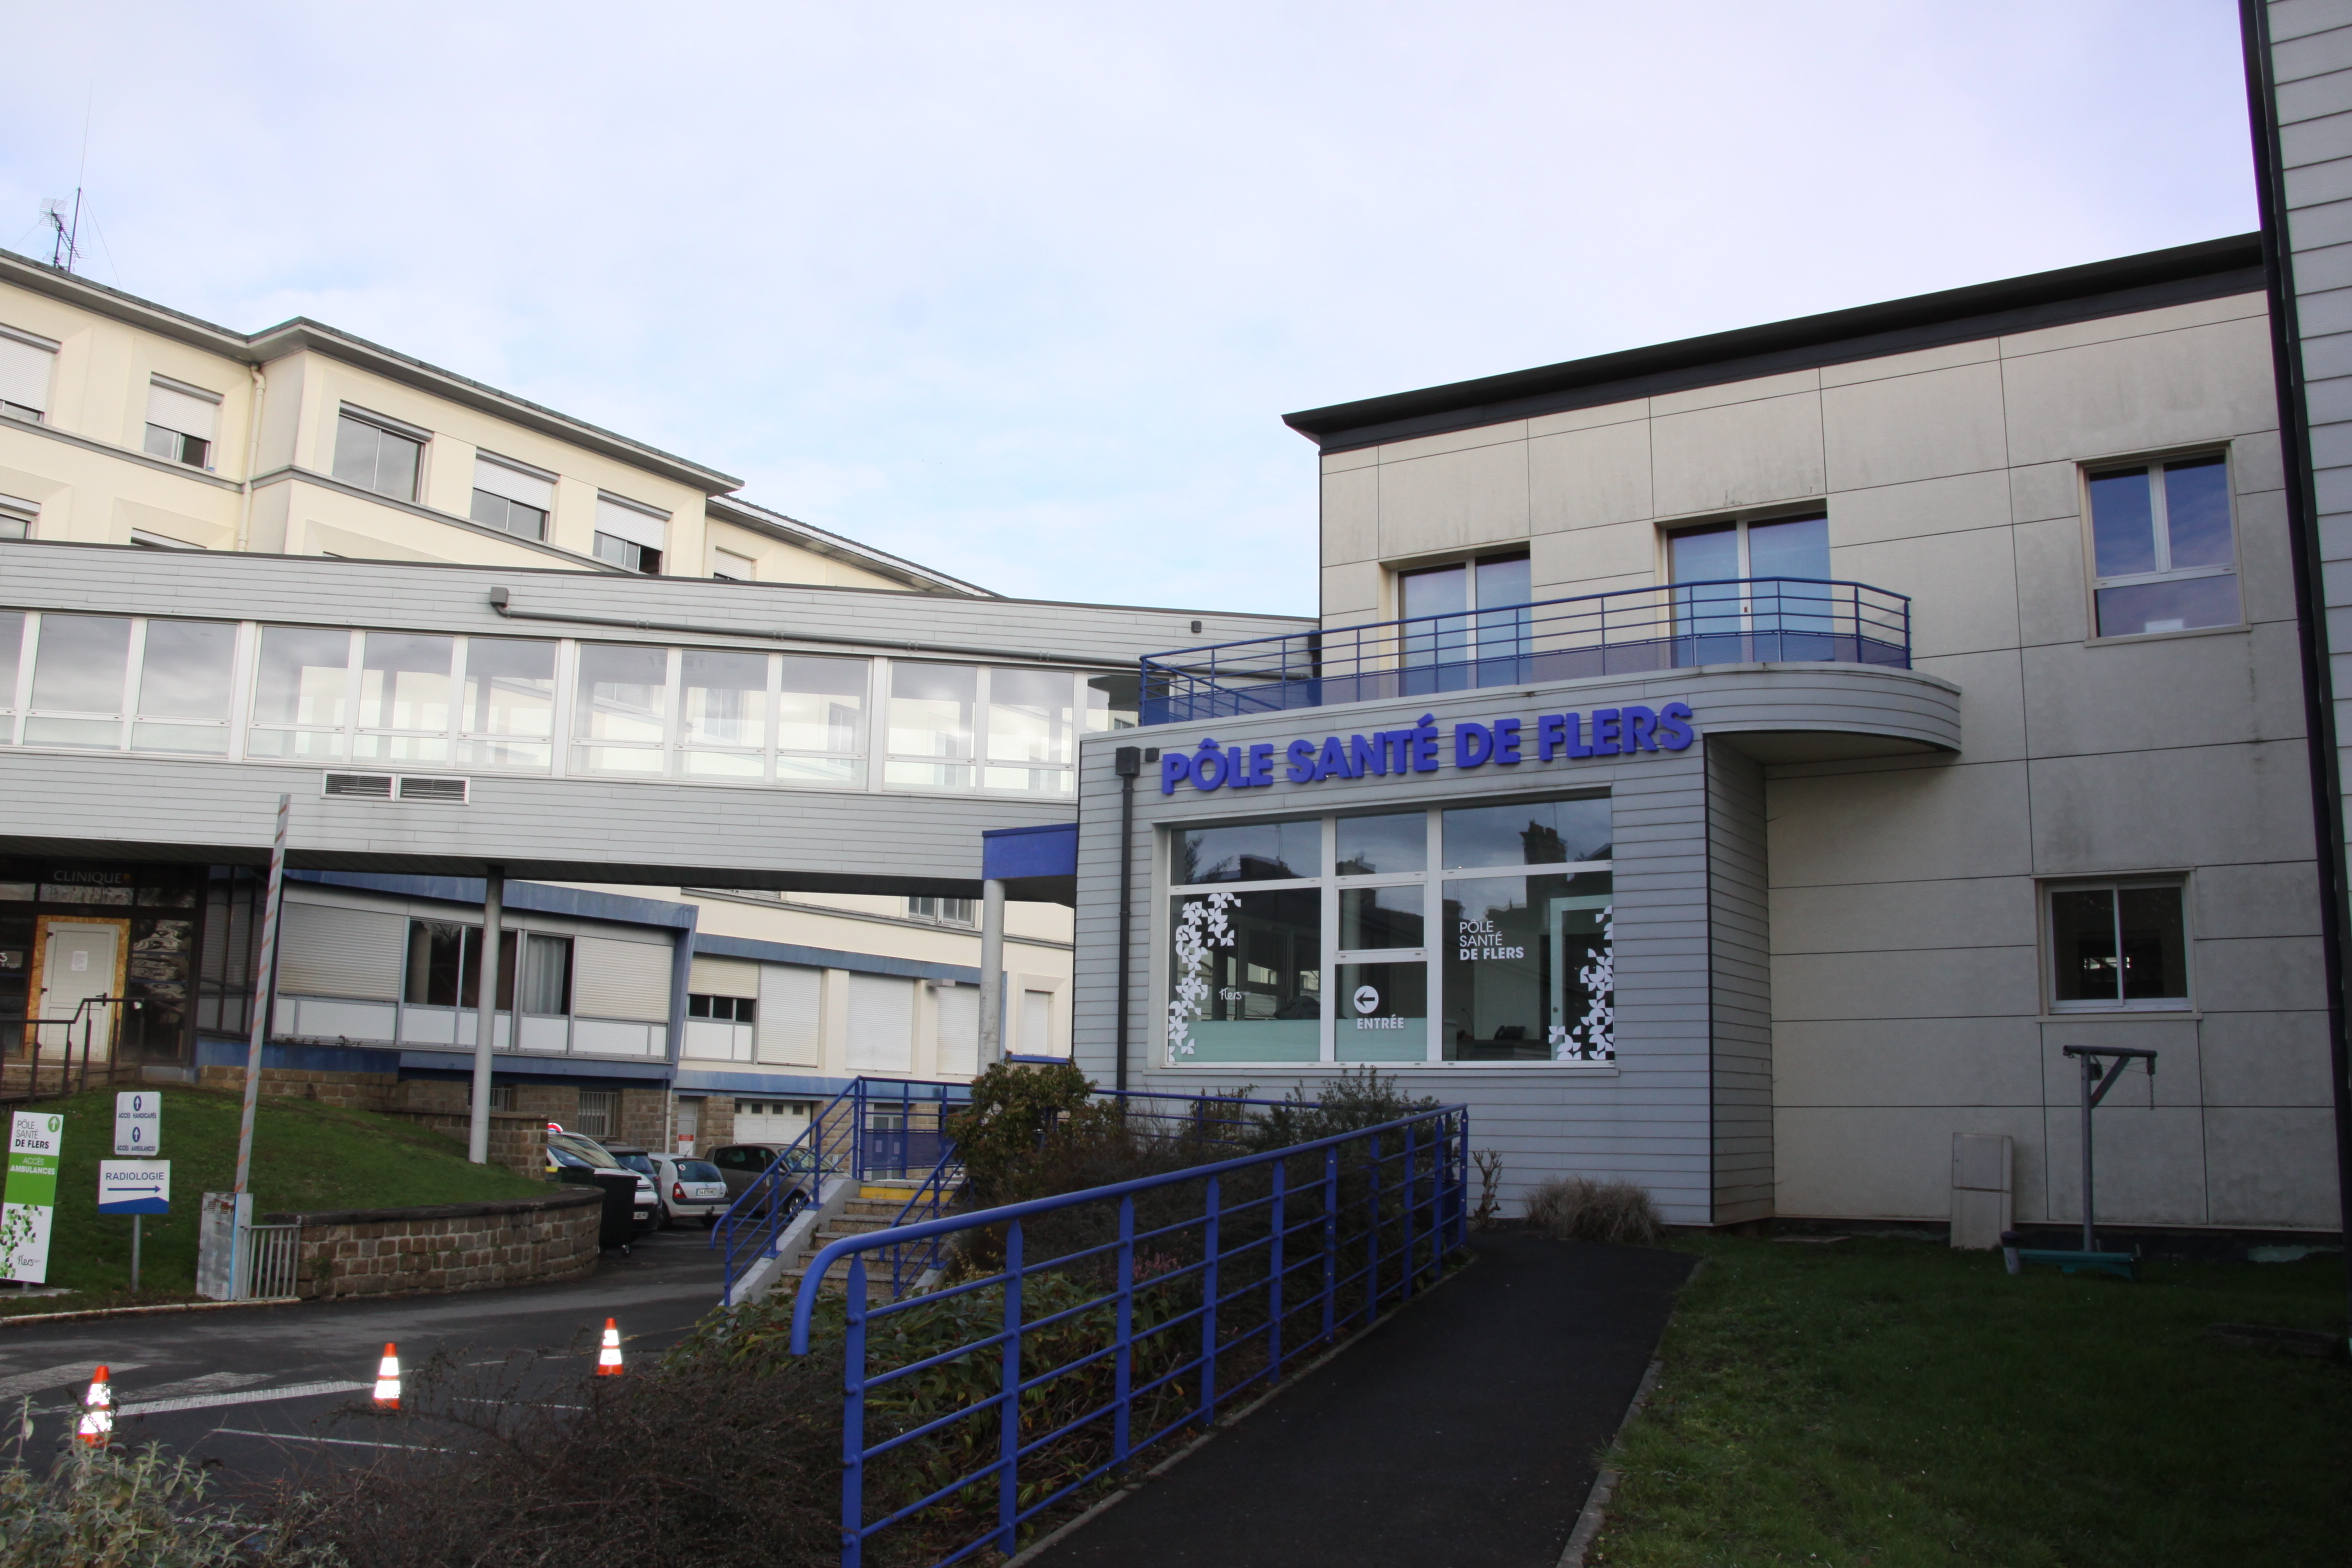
{"x": 1553, "y": 737}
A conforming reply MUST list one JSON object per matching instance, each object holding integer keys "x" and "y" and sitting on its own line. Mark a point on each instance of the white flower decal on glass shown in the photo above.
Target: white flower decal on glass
{"x": 1202, "y": 925}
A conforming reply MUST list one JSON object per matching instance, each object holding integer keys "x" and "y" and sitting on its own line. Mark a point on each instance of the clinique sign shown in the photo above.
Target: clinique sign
{"x": 1554, "y": 737}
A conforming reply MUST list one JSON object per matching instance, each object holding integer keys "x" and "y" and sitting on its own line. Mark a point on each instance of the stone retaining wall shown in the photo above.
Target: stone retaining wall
{"x": 447, "y": 1247}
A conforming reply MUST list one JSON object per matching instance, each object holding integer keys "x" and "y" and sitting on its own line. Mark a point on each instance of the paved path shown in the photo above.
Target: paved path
{"x": 1464, "y": 1433}
{"x": 260, "y": 1390}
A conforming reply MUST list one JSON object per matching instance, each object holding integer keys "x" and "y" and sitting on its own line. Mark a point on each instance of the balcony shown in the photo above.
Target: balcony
{"x": 1631, "y": 631}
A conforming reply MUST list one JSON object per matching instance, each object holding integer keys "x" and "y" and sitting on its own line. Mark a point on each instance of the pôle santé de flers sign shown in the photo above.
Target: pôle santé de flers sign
{"x": 1552, "y": 737}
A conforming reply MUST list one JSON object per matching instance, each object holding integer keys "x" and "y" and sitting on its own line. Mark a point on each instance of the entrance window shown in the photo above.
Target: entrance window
{"x": 1478, "y": 933}
{"x": 2161, "y": 547}
{"x": 2118, "y": 947}
{"x": 1480, "y": 610}
{"x": 1751, "y": 590}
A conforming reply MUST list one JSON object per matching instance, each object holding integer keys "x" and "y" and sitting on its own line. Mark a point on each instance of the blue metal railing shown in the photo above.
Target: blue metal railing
{"x": 1630, "y": 631}
{"x": 877, "y": 1129}
{"x": 1218, "y": 1277}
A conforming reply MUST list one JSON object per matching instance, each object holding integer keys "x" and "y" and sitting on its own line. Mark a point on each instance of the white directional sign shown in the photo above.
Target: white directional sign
{"x": 134, "y": 1186}
{"x": 138, "y": 1123}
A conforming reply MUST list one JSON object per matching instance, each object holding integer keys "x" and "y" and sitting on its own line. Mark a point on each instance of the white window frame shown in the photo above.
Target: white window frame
{"x": 2160, "y": 521}
{"x": 2100, "y": 1006}
{"x": 391, "y": 427}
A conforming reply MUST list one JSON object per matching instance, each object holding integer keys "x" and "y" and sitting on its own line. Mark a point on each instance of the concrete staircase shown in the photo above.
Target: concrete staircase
{"x": 875, "y": 1207}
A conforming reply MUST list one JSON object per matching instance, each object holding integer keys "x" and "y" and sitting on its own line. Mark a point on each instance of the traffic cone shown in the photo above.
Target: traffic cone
{"x": 97, "y": 1427}
{"x": 608, "y": 1360}
{"x": 388, "y": 1380}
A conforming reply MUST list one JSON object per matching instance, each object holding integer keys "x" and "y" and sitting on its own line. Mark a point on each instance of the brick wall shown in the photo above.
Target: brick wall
{"x": 359, "y": 1091}
{"x": 446, "y": 1247}
{"x": 645, "y": 1119}
{"x": 718, "y": 1123}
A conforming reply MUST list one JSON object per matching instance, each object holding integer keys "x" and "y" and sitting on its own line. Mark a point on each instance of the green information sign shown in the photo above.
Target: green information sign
{"x": 30, "y": 1200}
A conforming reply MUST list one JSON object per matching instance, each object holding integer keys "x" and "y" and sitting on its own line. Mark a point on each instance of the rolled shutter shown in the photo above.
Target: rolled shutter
{"x": 513, "y": 483}
{"x": 959, "y": 1031}
{"x": 332, "y": 951}
{"x": 621, "y": 980}
{"x": 626, "y": 522}
{"x": 24, "y": 373}
{"x": 177, "y": 410}
{"x": 881, "y": 1024}
{"x": 725, "y": 977}
{"x": 791, "y": 1016}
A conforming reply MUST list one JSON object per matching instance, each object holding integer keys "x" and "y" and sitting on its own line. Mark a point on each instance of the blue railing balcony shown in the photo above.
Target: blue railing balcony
{"x": 1631, "y": 631}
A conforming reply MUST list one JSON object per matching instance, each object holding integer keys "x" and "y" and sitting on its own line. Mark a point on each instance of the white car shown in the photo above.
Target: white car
{"x": 690, "y": 1188}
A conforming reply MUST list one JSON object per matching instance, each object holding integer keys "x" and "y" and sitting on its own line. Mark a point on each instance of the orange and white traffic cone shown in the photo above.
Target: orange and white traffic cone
{"x": 388, "y": 1380}
{"x": 608, "y": 1359}
{"x": 97, "y": 1428}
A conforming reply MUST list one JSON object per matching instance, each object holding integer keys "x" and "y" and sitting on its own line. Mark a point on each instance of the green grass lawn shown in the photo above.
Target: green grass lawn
{"x": 1894, "y": 1403}
{"x": 305, "y": 1156}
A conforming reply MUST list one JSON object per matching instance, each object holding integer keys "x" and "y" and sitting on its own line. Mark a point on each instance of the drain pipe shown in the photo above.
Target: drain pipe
{"x": 1127, "y": 762}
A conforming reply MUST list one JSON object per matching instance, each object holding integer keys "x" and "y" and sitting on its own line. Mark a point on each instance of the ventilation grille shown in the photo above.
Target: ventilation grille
{"x": 448, "y": 791}
{"x": 397, "y": 786}
{"x": 366, "y": 786}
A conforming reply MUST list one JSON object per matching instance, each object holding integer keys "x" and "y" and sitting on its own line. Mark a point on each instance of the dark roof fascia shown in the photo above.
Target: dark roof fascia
{"x": 2209, "y": 269}
{"x": 303, "y": 333}
{"x": 824, "y": 542}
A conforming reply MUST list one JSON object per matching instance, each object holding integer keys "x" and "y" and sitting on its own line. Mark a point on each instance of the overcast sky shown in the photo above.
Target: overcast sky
{"x": 1021, "y": 290}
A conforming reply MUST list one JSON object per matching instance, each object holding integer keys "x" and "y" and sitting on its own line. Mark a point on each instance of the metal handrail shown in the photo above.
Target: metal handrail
{"x": 1625, "y": 631}
{"x": 1424, "y": 1204}
{"x": 83, "y": 1016}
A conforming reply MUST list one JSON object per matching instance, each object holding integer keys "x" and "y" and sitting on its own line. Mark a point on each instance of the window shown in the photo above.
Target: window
{"x": 630, "y": 535}
{"x": 13, "y": 636}
{"x": 734, "y": 568}
{"x": 961, "y": 726}
{"x": 506, "y": 716}
{"x": 621, "y": 714}
{"x": 17, "y": 517}
{"x": 1480, "y": 610}
{"x": 547, "y": 974}
{"x": 404, "y": 691}
{"x": 79, "y": 665}
{"x": 444, "y": 968}
{"x": 181, "y": 422}
{"x": 1750, "y": 590}
{"x": 956, "y": 911}
{"x": 512, "y": 498}
{"x": 2118, "y": 947}
{"x": 1479, "y": 933}
{"x": 723, "y": 1009}
{"x": 599, "y": 1115}
{"x": 186, "y": 669}
{"x": 375, "y": 457}
{"x": 2162, "y": 555}
{"x": 301, "y": 693}
{"x": 25, "y": 363}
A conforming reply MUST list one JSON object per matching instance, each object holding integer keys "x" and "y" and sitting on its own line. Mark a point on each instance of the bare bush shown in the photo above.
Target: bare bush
{"x": 1577, "y": 1208}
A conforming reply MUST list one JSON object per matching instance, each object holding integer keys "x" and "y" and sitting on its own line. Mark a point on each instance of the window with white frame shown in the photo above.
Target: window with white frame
{"x": 954, "y": 911}
{"x": 17, "y": 517}
{"x": 324, "y": 694}
{"x": 512, "y": 497}
{"x": 1481, "y": 932}
{"x": 26, "y": 361}
{"x": 374, "y": 454}
{"x": 1479, "y": 608}
{"x": 719, "y": 714}
{"x": 182, "y": 422}
{"x": 2118, "y": 946}
{"x": 2163, "y": 554}
{"x": 111, "y": 683}
{"x": 963, "y": 726}
{"x": 731, "y": 565}
{"x": 1751, "y": 588}
{"x": 630, "y": 534}
{"x": 444, "y": 968}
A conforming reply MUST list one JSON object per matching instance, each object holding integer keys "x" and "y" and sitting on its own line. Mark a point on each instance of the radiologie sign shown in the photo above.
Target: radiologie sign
{"x": 1604, "y": 732}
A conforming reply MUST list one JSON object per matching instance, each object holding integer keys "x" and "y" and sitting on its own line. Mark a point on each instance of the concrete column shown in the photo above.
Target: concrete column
{"x": 486, "y": 1015}
{"x": 992, "y": 1008}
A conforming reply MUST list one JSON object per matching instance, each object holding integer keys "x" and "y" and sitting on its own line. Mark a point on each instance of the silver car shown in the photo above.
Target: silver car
{"x": 690, "y": 1189}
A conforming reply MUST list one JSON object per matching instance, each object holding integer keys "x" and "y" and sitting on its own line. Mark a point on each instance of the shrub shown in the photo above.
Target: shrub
{"x": 1348, "y": 1103}
{"x": 1577, "y": 1208}
{"x": 106, "y": 1509}
{"x": 1012, "y": 1110}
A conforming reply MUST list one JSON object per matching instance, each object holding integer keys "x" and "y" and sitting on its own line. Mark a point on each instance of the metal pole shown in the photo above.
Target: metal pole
{"x": 264, "y": 989}
{"x": 1128, "y": 762}
{"x": 2090, "y": 1067}
{"x": 135, "y": 1219}
{"x": 992, "y": 997}
{"x": 486, "y": 1014}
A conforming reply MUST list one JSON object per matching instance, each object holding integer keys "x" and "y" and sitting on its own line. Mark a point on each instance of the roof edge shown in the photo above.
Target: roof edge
{"x": 822, "y": 541}
{"x": 2207, "y": 269}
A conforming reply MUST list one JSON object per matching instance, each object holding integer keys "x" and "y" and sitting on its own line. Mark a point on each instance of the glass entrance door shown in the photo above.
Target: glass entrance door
{"x": 1749, "y": 592}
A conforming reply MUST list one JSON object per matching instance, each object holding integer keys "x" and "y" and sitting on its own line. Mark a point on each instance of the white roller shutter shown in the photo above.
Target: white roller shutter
{"x": 621, "y": 980}
{"x": 881, "y": 1024}
{"x": 959, "y": 1031}
{"x": 24, "y": 372}
{"x": 791, "y": 1016}
{"x": 331, "y": 951}
{"x": 725, "y": 977}
{"x": 190, "y": 415}
{"x": 514, "y": 484}
{"x": 627, "y": 522}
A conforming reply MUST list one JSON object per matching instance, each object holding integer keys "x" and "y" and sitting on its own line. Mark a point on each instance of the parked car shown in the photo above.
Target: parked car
{"x": 570, "y": 1157}
{"x": 741, "y": 1164}
{"x": 689, "y": 1188}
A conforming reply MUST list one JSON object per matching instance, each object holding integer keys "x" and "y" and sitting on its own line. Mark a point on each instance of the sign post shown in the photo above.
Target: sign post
{"x": 30, "y": 1200}
{"x": 136, "y": 1188}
